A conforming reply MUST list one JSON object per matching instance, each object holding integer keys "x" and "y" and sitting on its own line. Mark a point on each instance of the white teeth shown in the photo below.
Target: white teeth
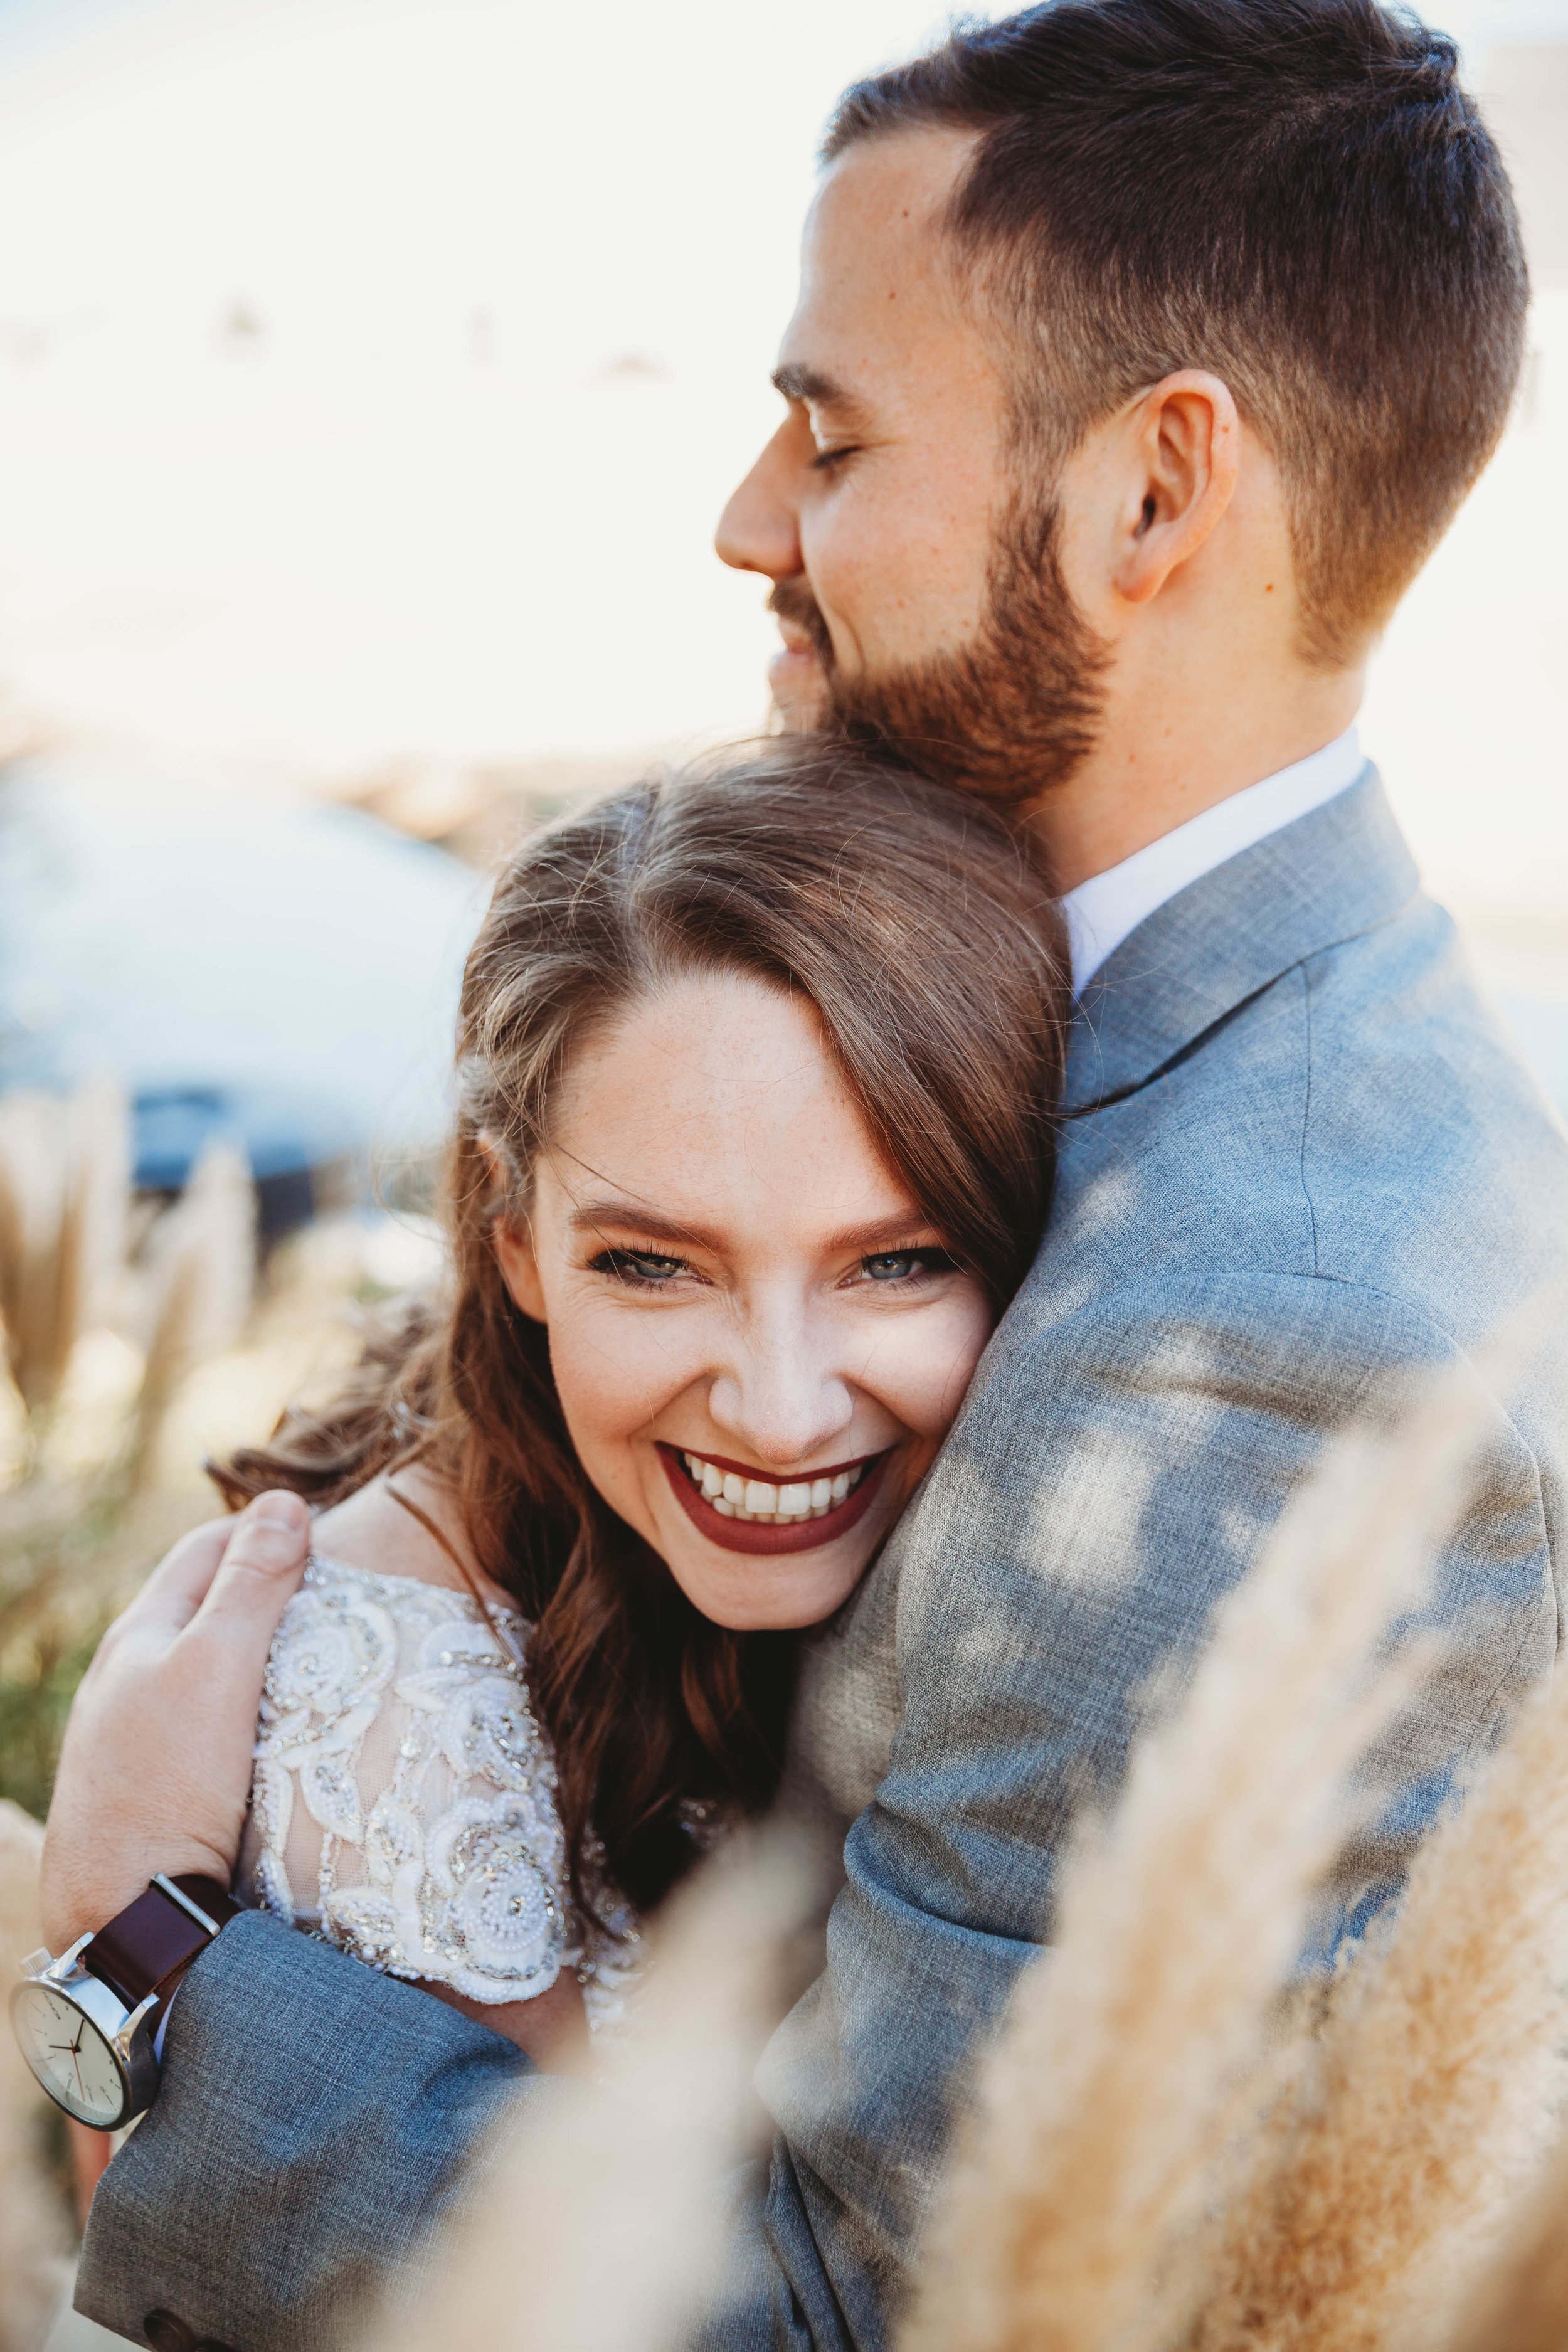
{"x": 760, "y": 1500}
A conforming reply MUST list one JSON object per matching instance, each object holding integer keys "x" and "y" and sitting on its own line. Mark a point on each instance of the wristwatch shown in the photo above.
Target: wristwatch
{"x": 88, "y": 2022}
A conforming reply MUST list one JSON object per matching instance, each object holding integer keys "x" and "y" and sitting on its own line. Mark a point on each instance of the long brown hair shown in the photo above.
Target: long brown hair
{"x": 923, "y": 933}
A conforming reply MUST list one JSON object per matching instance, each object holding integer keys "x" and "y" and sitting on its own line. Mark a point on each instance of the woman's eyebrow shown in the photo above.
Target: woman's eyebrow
{"x": 591, "y": 1216}
{"x": 883, "y": 1233}
{"x": 880, "y": 1233}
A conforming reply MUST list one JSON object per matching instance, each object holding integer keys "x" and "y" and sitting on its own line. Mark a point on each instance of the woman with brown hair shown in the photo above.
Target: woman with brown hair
{"x": 756, "y": 1073}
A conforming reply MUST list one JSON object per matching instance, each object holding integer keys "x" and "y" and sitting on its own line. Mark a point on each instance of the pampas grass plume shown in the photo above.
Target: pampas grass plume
{"x": 597, "y": 2219}
{"x": 1433, "y": 2089}
{"x": 97, "y": 1193}
{"x": 1519, "y": 2303}
{"x": 34, "y": 1189}
{"x": 201, "y": 1263}
{"x": 64, "y": 1179}
{"x": 1139, "y": 2044}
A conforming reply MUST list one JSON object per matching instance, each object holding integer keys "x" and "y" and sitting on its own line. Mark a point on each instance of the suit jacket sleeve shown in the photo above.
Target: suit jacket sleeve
{"x": 1110, "y": 1479}
{"x": 311, "y": 2124}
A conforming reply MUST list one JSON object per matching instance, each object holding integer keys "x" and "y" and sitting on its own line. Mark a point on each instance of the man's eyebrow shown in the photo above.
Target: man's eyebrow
{"x": 590, "y": 1216}
{"x": 795, "y": 380}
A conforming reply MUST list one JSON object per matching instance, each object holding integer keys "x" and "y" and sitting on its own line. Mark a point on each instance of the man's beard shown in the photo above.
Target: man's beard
{"x": 1014, "y": 713}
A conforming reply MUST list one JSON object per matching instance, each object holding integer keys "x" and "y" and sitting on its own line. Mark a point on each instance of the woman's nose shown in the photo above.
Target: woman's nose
{"x": 758, "y": 529}
{"x": 781, "y": 1406}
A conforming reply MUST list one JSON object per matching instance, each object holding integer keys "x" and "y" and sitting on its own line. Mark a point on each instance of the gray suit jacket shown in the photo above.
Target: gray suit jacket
{"x": 1300, "y": 1159}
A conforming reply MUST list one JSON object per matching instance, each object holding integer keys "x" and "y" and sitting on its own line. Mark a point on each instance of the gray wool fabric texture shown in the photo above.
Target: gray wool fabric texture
{"x": 1300, "y": 1163}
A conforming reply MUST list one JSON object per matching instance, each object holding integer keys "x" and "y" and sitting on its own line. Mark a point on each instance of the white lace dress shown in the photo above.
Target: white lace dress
{"x": 402, "y": 1806}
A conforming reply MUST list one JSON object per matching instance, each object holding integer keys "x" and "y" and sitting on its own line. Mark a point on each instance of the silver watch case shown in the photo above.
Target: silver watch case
{"x": 126, "y": 2031}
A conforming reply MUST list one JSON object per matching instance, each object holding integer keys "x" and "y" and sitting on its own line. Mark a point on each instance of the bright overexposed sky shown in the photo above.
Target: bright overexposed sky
{"x": 417, "y": 511}
{"x": 372, "y": 372}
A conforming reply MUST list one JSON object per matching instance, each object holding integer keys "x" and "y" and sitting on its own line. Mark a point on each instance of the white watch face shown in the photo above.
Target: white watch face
{"x": 69, "y": 2055}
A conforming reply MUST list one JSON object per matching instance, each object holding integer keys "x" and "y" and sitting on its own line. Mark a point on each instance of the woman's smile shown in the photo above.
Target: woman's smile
{"x": 737, "y": 1508}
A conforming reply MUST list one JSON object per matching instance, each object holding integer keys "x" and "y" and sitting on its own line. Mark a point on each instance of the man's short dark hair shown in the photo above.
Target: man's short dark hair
{"x": 1298, "y": 196}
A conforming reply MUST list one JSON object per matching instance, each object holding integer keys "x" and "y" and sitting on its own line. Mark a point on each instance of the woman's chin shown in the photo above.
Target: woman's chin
{"x": 778, "y": 1614}
{"x": 768, "y": 1595}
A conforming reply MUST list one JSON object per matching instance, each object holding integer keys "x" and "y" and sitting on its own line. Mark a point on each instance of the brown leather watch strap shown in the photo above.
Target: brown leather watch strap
{"x": 148, "y": 1946}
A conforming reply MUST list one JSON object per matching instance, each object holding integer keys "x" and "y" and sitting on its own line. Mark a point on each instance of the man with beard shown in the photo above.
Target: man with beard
{"x": 1145, "y": 349}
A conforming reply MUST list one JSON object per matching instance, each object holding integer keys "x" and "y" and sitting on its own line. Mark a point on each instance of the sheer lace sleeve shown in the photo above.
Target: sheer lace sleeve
{"x": 403, "y": 1805}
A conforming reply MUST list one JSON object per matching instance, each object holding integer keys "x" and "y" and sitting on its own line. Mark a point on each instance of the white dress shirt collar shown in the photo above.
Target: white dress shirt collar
{"x": 1102, "y": 912}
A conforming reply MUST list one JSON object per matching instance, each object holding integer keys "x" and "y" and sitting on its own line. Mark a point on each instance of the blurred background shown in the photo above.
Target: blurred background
{"x": 371, "y": 373}
{"x": 370, "y": 379}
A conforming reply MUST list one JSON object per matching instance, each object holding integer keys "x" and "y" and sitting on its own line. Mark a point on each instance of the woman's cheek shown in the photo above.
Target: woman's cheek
{"x": 596, "y": 1396}
{"x": 612, "y": 1374}
{"x": 938, "y": 1365}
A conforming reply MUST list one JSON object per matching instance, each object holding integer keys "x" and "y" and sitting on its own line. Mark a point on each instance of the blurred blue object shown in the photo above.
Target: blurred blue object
{"x": 249, "y": 963}
{"x": 288, "y": 1152}
{"x": 171, "y": 1128}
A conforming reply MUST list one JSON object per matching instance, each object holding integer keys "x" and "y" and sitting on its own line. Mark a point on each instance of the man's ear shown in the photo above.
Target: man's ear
{"x": 512, "y": 1243}
{"x": 1186, "y": 440}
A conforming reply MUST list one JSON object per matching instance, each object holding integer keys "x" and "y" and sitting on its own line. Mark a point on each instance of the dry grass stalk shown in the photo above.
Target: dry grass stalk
{"x": 598, "y": 2221}
{"x": 1435, "y": 2084}
{"x": 94, "y": 1212}
{"x": 1139, "y": 2046}
{"x": 64, "y": 1176}
{"x": 78, "y": 1508}
{"x": 200, "y": 1269}
{"x": 34, "y": 1184}
{"x": 32, "y": 2272}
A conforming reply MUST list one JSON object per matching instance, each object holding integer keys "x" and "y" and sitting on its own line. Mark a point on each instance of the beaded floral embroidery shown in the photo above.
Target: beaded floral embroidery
{"x": 402, "y": 1806}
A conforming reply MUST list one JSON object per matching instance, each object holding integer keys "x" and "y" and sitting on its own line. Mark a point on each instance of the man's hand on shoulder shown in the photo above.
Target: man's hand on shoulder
{"x": 157, "y": 1767}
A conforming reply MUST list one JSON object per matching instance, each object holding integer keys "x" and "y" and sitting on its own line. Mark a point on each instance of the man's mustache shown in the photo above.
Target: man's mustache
{"x": 793, "y": 601}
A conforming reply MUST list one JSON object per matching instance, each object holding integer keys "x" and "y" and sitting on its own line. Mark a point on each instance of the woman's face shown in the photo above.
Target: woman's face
{"x": 758, "y": 1340}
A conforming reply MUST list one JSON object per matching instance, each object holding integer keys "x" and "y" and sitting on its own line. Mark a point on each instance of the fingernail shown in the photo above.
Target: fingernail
{"x": 276, "y": 1511}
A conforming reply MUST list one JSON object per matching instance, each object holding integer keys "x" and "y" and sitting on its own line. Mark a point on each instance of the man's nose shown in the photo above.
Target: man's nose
{"x": 759, "y": 530}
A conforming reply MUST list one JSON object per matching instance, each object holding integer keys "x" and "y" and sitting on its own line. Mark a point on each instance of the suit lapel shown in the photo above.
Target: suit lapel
{"x": 1334, "y": 874}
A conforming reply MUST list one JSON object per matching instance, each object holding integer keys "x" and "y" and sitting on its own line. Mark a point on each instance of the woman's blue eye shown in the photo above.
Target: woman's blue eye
{"x": 640, "y": 1266}
{"x": 898, "y": 1266}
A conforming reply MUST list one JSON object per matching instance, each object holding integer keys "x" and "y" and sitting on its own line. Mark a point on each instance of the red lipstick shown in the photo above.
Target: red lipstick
{"x": 735, "y": 1534}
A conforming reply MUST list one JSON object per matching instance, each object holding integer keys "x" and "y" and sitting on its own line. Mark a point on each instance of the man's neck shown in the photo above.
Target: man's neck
{"x": 1150, "y": 771}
